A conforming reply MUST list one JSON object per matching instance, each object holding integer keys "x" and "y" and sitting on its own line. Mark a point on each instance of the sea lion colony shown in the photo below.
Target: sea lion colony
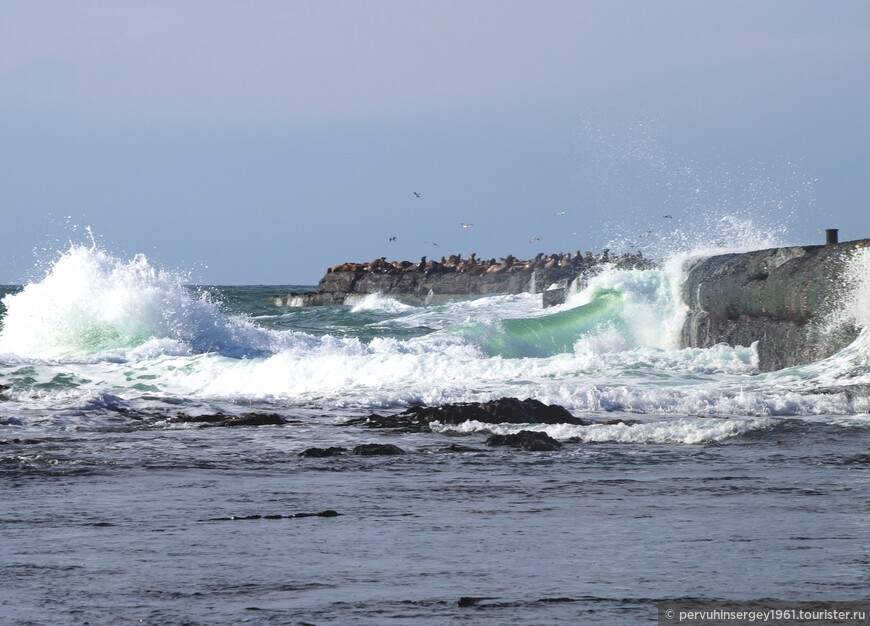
{"x": 474, "y": 266}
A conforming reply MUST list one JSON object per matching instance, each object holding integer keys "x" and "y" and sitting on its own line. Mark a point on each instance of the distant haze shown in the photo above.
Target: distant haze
{"x": 263, "y": 141}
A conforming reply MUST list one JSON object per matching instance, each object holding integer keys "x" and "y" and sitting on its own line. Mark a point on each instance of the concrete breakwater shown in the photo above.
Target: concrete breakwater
{"x": 432, "y": 281}
{"x": 783, "y": 298}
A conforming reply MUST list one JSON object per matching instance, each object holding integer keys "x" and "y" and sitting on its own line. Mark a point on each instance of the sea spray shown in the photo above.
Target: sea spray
{"x": 91, "y": 303}
{"x": 380, "y": 303}
{"x": 652, "y": 309}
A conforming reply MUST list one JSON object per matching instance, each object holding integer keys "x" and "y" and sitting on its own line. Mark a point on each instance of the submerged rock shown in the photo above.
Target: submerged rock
{"x": 455, "y": 447}
{"x": 377, "y": 449}
{"x": 319, "y": 453}
{"x": 231, "y": 421}
{"x": 406, "y": 422}
{"x": 237, "y": 518}
{"x": 526, "y": 440}
{"x": 501, "y": 411}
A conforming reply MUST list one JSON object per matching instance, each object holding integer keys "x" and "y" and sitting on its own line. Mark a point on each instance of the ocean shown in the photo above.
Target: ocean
{"x": 699, "y": 478}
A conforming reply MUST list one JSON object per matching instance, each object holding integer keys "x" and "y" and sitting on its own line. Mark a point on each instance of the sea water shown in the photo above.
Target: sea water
{"x": 702, "y": 478}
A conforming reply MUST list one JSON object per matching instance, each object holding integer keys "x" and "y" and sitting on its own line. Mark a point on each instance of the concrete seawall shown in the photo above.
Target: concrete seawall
{"x": 782, "y": 298}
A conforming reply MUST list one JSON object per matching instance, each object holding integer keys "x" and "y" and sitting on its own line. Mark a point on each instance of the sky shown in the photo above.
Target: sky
{"x": 260, "y": 142}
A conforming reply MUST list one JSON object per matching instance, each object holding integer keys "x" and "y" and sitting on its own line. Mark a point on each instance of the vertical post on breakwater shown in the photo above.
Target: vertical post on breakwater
{"x": 831, "y": 235}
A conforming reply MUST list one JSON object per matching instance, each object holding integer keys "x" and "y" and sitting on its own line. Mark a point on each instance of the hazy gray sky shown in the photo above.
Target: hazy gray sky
{"x": 262, "y": 141}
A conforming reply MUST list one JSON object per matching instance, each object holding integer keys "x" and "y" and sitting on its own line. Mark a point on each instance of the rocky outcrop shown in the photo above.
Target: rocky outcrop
{"x": 525, "y": 440}
{"x": 321, "y": 453}
{"x": 501, "y": 411}
{"x": 782, "y": 298}
{"x": 432, "y": 282}
{"x": 231, "y": 421}
{"x": 377, "y": 449}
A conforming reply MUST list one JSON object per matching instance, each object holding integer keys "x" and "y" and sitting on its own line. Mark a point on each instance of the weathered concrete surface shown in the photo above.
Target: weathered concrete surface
{"x": 782, "y": 298}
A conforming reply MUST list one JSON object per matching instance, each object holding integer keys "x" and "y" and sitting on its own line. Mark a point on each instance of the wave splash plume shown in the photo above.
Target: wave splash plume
{"x": 92, "y": 304}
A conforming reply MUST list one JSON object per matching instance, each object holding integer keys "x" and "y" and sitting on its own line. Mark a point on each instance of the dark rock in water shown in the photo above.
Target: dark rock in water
{"x": 253, "y": 419}
{"x": 554, "y": 297}
{"x": 408, "y": 421}
{"x": 236, "y": 518}
{"x": 377, "y": 449}
{"x": 526, "y": 440}
{"x": 199, "y": 419}
{"x": 326, "y": 513}
{"x": 231, "y": 421}
{"x": 17, "y": 441}
{"x": 319, "y": 453}
{"x": 455, "y": 447}
{"x": 501, "y": 411}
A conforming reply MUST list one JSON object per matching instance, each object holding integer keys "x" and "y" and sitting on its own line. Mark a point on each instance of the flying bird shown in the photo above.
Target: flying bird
{"x": 417, "y": 194}
{"x": 464, "y": 225}
{"x": 535, "y": 238}
{"x": 560, "y": 213}
{"x": 433, "y": 243}
{"x": 667, "y": 217}
{"x": 393, "y": 238}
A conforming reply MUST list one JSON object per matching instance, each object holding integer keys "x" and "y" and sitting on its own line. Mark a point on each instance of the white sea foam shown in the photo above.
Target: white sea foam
{"x": 380, "y": 303}
{"x": 669, "y": 431}
{"x": 651, "y": 308}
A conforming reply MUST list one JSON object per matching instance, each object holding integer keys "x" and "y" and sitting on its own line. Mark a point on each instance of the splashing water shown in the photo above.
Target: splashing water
{"x": 91, "y": 303}
{"x": 381, "y": 303}
{"x": 613, "y": 347}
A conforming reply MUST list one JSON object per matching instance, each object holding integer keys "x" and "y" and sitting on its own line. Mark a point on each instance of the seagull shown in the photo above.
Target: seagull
{"x": 535, "y": 238}
{"x": 464, "y": 225}
{"x": 433, "y": 243}
{"x": 417, "y": 194}
{"x": 646, "y": 233}
{"x": 667, "y": 217}
{"x": 560, "y": 213}
{"x": 393, "y": 238}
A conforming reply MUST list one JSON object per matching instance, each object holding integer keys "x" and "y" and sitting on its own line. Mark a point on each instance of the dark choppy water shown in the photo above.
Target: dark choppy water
{"x": 731, "y": 485}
